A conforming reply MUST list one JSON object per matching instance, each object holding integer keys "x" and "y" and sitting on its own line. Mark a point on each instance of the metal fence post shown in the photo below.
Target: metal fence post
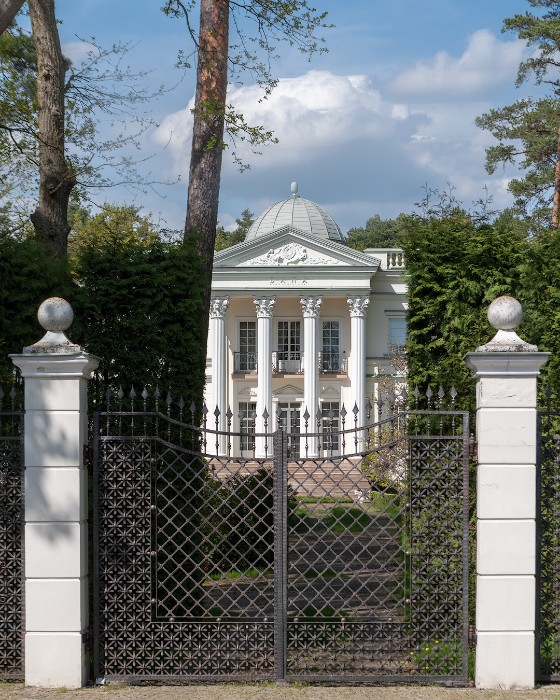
{"x": 56, "y": 563}
{"x": 280, "y": 555}
{"x": 506, "y": 371}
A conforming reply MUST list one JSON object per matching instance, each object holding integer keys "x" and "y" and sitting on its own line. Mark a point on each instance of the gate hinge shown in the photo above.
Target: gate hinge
{"x": 87, "y": 639}
{"x": 88, "y": 455}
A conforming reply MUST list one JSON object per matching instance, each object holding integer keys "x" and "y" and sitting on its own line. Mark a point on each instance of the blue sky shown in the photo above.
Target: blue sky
{"x": 362, "y": 128}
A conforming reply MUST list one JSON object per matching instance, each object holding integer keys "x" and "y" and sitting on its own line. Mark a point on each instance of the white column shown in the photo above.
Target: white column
{"x": 311, "y": 308}
{"x": 265, "y": 308}
{"x": 56, "y": 561}
{"x": 358, "y": 306}
{"x": 506, "y": 371}
{"x": 218, "y": 309}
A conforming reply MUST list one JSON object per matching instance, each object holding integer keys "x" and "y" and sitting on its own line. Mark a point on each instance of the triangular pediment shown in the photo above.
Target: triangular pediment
{"x": 289, "y": 247}
{"x": 288, "y": 390}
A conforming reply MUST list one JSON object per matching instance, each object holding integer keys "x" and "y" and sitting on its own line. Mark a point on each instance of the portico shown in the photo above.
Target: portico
{"x": 290, "y": 341}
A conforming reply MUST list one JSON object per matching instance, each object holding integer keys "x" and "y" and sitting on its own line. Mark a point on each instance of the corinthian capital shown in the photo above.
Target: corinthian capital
{"x": 311, "y": 306}
{"x": 358, "y": 306}
{"x": 218, "y": 307}
{"x": 264, "y": 306}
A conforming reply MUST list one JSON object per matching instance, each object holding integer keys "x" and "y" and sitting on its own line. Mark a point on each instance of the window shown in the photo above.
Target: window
{"x": 330, "y": 411}
{"x": 330, "y": 357}
{"x": 397, "y": 333}
{"x": 289, "y": 340}
{"x": 247, "y": 415}
{"x": 288, "y": 357}
{"x": 246, "y": 360}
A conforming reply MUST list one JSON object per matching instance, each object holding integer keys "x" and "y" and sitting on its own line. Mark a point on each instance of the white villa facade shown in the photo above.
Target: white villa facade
{"x": 300, "y": 327}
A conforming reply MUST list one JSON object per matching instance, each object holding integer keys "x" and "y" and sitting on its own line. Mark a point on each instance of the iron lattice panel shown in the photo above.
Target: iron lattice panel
{"x": 11, "y": 546}
{"x": 179, "y": 592}
{"x": 548, "y": 627}
{"x": 323, "y": 568}
{"x": 377, "y": 572}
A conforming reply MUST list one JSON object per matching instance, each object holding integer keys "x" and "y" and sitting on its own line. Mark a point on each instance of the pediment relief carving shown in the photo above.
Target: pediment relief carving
{"x": 291, "y": 254}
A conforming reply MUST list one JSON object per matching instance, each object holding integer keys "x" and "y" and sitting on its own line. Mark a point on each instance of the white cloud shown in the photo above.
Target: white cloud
{"x": 486, "y": 64}
{"x": 76, "y": 51}
{"x": 355, "y": 147}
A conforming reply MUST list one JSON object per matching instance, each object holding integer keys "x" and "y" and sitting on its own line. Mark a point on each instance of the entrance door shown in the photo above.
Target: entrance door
{"x": 288, "y": 420}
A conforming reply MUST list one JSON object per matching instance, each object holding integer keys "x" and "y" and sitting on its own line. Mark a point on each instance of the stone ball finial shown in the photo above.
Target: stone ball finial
{"x": 294, "y": 188}
{"x": 505, "y": 313}
{"x": 55, "y": 314}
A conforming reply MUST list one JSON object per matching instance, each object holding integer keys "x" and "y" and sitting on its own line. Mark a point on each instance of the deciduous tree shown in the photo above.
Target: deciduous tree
{"x": 220, "y": 56}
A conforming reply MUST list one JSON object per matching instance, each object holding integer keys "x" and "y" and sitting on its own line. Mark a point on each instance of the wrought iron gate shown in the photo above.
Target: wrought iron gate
{"x": 11, "y": 537}
{"x": 343, "y": 568}
{"x": 548, "y": 546}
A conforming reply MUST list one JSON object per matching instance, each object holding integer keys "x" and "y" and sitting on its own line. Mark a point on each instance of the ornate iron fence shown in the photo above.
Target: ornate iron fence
{"x": 11, "y": 536}
{"x": 548, "y": 544}
{"x": 346, "y": 568}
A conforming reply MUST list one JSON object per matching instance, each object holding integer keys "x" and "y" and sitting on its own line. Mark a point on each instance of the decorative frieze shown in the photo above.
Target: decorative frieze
{"x": 290, "y": 254}
{"x": 311, "y": 306}
{"x": 264, "y": 306}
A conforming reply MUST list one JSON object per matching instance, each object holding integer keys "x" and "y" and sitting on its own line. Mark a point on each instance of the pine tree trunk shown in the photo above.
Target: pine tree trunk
{"x": 56, "y": 178}
{"x": 208, "y": 134}
{"x": 8, "y": 10}
{"x": 556, "y": 197}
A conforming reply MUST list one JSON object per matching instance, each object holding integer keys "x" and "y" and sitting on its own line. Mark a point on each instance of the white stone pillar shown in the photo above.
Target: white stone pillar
{"x": 218, "y": 309}
{"x": 358, "y": 306}
{"x": 56, "y": 561}
{"x": 506, "y": 371}
{"x": 265, "y": 309}
{"x": 311, "y": 308}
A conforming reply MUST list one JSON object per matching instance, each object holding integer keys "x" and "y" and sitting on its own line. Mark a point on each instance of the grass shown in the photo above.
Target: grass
{"x": 324, "y": 573}
{"x": 438, "y": 658}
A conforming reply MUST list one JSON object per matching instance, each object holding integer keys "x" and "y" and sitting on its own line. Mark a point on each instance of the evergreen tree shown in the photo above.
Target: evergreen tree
{"x": 528, "y": 131}
{"x": 455, "y": 269}
{"x": 226, "y": 239}
{"x": 377, "y": 233}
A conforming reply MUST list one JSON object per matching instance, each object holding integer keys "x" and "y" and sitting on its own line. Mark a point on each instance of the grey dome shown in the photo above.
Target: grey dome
{"x": 299, "y": 213}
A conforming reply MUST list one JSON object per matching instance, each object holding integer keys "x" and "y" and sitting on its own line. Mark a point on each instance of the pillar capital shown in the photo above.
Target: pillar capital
{"x": 505, "y": 364}
{"x": 311, "y": 306}
{"x": 358, "y": 305}
{"x": 218, "y": 307}
{"x": 264, "y": 306}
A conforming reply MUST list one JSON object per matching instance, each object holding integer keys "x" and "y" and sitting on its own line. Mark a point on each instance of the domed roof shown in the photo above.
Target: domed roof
{"x": 299, "y": 213}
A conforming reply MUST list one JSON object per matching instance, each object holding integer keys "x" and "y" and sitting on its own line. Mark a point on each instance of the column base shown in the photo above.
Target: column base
{"x": 55, "y": 660}
{"x": 505, "y": 660}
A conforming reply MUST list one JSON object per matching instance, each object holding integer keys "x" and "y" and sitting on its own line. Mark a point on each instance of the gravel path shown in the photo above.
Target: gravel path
{"x": 265, "y": 691}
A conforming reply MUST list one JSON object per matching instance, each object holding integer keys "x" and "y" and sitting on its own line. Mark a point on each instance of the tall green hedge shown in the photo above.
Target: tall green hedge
{"x": 455, "y": 269}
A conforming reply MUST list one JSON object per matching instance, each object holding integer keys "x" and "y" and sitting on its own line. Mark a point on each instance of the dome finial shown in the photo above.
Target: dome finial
{"x": 294, "y": 188}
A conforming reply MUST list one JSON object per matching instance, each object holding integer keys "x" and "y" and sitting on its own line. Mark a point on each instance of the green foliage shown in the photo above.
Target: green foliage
{"x": 455, "y": 269}
{"x": 540, "y": 295}
{"x": 238, "y": 522}
{"x": 28, "y": 278}
{"x": 226, "y": 239}
{"x": 139, "y": 311}
{"x": 377, "y": 233}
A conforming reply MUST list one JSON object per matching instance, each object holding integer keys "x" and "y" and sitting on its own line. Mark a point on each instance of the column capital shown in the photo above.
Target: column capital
{"x": 358, "y": 305}
{"x": 264, "y": 306}
{"x": 218, "y": 307}
{"x": 311, "y": 306}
